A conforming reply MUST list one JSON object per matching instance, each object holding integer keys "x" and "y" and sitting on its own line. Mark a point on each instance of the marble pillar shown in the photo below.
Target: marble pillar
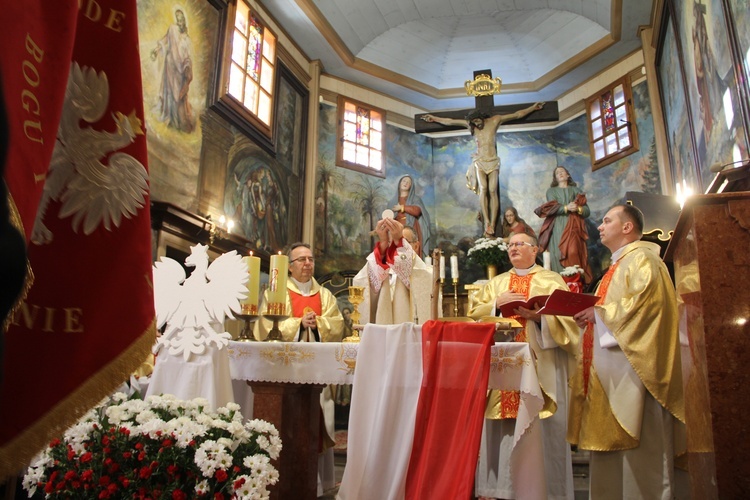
{"x": 710, "y": 250}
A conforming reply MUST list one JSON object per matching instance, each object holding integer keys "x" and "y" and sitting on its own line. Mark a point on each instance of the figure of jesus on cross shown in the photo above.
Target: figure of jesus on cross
{"x": 482, "y": 174}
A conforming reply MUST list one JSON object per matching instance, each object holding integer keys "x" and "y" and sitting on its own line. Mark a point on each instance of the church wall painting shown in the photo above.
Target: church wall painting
{"x": 712, "y": 87}
{"x": 349, "y": 203}
{"x": 174, "y": 128}
{"x": 739, "y": 13}
{"x": 672, "y": 87}
{"x": 439, "y": 167}
{"x": 263, "y": 194}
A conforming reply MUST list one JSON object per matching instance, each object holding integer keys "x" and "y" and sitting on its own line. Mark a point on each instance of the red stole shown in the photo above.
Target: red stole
{"x": 520, "y": 284}
{"x": 301, "y": 302}
{"x": 588, "y": 334}
{"x": 511, "y": 400}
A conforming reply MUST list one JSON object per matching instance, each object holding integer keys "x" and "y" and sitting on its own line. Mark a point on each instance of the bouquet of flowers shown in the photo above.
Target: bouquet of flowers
{"x": 489, "y": 252}
{"x": 158, "y": 448}
{"x": 573, "y": 270}
{"x": 572, "y": 276}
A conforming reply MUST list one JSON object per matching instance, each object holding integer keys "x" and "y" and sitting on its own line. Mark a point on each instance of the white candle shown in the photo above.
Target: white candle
{"x": 545, "y": 258}
{"x": 442, "y": 267}
{"x": 277, "y": 280}
{"x": 428, "y": 260}
{"x": 454, "y": 267}
{"x": 250, "y": 303}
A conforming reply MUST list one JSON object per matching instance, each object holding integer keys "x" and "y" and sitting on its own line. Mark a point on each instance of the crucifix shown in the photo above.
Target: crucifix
{"x": 483, "y": 121}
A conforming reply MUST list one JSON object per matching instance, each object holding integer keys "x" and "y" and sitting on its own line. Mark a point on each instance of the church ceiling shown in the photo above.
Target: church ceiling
{"x": 422, "y": 51}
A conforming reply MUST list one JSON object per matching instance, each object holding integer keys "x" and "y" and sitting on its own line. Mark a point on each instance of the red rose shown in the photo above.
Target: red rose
{"x": 144, "y": 472}
{"x": 70, "y": 475}
{"x": 238, "y": 483}
{"x": 86, "y": 457}
{"x": 221, "y": 475}
{"x": 104, "y": 481}
{"x": 87, "y": 475}
{"x": 179, "y": 495}
{"x": 127, "y": 454}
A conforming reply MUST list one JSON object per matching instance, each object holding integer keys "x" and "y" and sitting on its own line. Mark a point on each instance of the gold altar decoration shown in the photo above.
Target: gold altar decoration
{"x": 356, "y": 297}
{"x": 483, "y": 85}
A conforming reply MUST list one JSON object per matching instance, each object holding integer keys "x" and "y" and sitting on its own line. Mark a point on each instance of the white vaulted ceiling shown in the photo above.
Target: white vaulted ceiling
{"x": 422, "y": 51}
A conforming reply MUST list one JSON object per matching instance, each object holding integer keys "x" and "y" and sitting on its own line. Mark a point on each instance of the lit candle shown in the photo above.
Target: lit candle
{"x": 250, "y": 303}
{"x": 545, "y": 259}
{"x": 277, "y": 283}
{"x": 428, "y": 260}
{"x": 454, "y": 267}
{"x": 442, "y": 267}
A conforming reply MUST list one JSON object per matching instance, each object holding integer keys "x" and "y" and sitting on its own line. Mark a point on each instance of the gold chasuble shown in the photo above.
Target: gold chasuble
{"x": 638, "y": 307}
{"x": 562, "y": 332}
{"x": 330, "y": 321}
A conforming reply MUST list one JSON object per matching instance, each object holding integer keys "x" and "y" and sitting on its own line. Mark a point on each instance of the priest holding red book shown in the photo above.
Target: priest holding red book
{"x": 554, "y": 340}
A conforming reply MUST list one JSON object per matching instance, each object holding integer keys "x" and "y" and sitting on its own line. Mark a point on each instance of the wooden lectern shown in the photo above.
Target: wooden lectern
{"x": 710, "y": 250}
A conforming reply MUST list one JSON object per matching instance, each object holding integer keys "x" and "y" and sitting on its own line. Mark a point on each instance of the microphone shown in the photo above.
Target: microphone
{"x": 718, "y": 167}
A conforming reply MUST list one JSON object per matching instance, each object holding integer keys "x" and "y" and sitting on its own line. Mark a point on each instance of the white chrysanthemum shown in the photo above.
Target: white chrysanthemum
{"x": 202, "y": 488}
{"x": 154, "y": 428}
{"x": 275, "y": 447}
{"x": 184, "y": 430}
{"x": 145, "y": 416}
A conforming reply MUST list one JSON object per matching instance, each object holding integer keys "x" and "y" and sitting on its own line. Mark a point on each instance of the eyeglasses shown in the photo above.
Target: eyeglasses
{"x": 519, "y": 244}
{"x": 304, "y": 259}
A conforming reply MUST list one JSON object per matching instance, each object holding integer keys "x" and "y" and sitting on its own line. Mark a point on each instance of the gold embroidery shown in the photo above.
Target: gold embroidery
{"x": 505, "y": 361}
{"x": 289, "y": 354}
{"x": 346, "y": 355}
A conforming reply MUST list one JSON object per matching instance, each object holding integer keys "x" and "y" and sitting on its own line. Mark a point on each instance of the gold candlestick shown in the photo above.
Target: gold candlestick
{"x": 455, "y": 297}
{"x": 356, "y": 297}
{"x": 275, "y": 334}
{"x": 246, "y": 335}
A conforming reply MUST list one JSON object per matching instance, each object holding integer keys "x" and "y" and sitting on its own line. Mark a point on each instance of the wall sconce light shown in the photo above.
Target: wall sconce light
{"x": 220, "y": 230}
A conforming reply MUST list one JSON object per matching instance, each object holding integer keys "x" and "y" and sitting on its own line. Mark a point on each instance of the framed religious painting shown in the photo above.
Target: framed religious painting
{"x": 178, "y": 43}
{"x": 674, "y": 103}
{"x": 717, "y": 120}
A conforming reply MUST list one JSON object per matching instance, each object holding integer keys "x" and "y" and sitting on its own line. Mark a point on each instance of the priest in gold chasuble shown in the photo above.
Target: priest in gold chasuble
{"x": 627, "y": 403}
{"x": 554, "y": 341}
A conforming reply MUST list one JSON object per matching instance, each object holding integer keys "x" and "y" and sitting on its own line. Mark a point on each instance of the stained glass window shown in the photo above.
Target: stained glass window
{"x": 612, "y": 130}
{"x": 253, "y": 68}
{"x": 361, "y": 145}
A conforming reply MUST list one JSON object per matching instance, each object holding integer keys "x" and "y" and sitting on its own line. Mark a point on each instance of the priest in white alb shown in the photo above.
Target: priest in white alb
{"x": 397, "y": 283}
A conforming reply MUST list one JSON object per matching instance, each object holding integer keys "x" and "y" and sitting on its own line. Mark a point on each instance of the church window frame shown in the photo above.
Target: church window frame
{"x": 247, "y": 73}
{"x": 611, "y": 123}
{"x": 361, "y": 137}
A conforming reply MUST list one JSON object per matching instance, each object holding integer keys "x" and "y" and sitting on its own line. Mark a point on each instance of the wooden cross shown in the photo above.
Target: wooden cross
{"x": 486, "y": 104}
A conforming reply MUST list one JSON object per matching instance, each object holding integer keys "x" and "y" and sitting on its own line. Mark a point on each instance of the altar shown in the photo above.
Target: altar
{"x": 287, "y": 378}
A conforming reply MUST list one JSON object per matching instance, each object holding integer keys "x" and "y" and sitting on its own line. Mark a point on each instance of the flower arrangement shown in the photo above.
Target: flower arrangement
{"x": 158, "y": 448}
{"x": 489, "y": 252}
{"x": 572, "y": 270}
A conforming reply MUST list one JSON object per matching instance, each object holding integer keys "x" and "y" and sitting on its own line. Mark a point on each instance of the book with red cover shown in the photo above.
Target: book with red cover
{"x": 565, "y": 303}
{"x": 558, "y": 303}
{"x": 508, "y": 310}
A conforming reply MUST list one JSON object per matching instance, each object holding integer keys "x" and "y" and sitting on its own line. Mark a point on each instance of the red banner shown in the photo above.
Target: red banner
{"x": 78, "y": 181}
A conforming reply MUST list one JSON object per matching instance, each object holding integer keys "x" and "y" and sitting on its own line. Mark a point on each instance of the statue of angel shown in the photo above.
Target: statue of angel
{"x": 194, "y": 308}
